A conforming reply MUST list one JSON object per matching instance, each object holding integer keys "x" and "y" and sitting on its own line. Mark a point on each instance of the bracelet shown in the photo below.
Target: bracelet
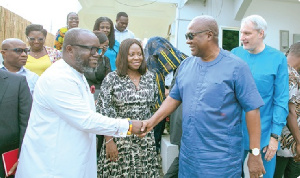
{"x": 109, "y": 140}
{"x": 130, "y": 126}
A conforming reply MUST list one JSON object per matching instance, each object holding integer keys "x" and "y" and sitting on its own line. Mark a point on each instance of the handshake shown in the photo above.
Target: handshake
{"x": 140, "y": 128}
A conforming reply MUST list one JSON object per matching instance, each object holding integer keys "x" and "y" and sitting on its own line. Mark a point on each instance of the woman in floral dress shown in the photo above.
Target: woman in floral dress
{"x": 128, "y": 92}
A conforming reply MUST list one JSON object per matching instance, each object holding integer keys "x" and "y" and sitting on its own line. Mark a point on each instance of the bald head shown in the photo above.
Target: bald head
{"x": 14, "y": 53}
{"x": 206, "y": 22}
{"x": 76, "y": 36}
{"x": 11, "y": 42}
{"x": 80, "y": 46}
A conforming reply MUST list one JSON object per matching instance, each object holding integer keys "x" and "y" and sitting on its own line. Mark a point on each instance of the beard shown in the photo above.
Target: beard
{"x": 82, "y": 65}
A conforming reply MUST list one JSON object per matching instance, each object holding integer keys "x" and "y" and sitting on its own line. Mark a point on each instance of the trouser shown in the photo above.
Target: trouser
{"x": 286, "y": 166}
{"x": 269, "y": 165}
{"x": 100, "y": 139}
{"x": 158, "y": 131}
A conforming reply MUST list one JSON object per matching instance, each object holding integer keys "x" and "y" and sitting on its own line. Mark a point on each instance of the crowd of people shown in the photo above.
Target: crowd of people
{"x": 94, "y": 104}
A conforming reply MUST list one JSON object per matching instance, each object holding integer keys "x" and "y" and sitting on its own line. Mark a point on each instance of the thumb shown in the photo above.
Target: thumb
{"x": 144, "y": 126}
{"x": 265, "y": 149}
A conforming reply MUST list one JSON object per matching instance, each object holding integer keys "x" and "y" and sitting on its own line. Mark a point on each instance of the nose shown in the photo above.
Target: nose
{"x": 188, "y": 41}
{"x": 242, "y": 37}
{"x": 24, "y": 53}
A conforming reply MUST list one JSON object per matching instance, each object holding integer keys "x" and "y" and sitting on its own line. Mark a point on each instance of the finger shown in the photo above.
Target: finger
{"x": 144, "y": 126}
{"x": 142, "y": 135}
{"x": 107, "y": 155}
{"x": 265, "y": 149}
{"x": 13, "y": 168}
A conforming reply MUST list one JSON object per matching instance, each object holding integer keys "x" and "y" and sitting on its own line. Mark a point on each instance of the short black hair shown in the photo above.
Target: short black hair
{"x": 111, "y": 36}
{"x": 121, "y": 14}
{"x": 35, "y": 27}
{"x": 69, "y": 15}
{"x": 101, "y": 36}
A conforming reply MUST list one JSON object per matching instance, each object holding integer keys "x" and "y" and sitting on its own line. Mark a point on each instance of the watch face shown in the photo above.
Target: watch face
{"x": 255, "y": 151}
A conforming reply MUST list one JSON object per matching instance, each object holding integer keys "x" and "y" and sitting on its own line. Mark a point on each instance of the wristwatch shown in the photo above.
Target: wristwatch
{"x": 278, "y": 138}
{"x": 255, "y": 151}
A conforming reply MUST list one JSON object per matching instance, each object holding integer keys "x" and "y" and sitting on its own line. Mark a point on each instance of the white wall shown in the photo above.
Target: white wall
{"x": 221, "y": 10}
{"x": 279, "y": 16}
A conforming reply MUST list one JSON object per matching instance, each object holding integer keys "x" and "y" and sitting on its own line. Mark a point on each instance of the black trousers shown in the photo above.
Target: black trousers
{"x": 287, "y": 167}
{"x": 158, "y": 131}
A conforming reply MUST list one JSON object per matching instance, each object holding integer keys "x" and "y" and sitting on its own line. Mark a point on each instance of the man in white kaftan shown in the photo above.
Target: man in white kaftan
{"x": 60, "y": 139}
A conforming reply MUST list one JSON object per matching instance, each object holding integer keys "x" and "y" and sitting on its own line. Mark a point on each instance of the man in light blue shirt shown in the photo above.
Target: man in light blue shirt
{"x": 270, "y": 72}
{"x": 121, "y": 31}
{"x": 15, "y": 56}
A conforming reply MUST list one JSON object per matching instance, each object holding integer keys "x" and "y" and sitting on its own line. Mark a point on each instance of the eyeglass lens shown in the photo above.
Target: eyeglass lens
{"x": 19, "y": 50}
{"x": 189, "y": 36}
{"x": 38, "y": 39}
{"x": 99, "y": 51}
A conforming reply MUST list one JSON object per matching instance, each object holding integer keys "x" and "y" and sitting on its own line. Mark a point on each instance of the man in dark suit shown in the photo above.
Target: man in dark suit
{"x": 15, "y": 106}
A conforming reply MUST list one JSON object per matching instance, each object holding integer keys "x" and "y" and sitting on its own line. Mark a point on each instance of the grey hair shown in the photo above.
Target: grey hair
{"x": 72, "y": 36}
{"x": 258, "y": 22}
{"x": 295, "y": 49}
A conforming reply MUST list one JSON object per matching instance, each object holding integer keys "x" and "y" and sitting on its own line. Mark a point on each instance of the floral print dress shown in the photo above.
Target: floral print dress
{"x": 288, "y": 143}
{"x": 119, "y": 97}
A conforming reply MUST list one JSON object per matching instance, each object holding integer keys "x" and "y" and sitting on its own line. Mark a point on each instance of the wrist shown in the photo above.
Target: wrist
{"x": 109, "y": 140}
{"x": 130, "y": 126}
{"x": 255, "y": 151}
{"x": 275, "y": 136}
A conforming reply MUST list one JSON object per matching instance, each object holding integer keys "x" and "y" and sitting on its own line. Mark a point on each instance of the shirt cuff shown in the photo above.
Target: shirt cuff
{"x": 276, "y": 129}
{"x": 122, "y": 128}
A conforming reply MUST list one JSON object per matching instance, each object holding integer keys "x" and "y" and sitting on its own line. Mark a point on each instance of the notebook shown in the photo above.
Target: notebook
{"x": 9, "y": 159}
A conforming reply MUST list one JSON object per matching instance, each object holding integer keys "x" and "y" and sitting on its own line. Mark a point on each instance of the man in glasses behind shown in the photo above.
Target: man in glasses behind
{"x": 99, "y": 67}
{"x": 60, "y": 140}
{"x": 15, "y": 56}
{"x": 214, "y": 87}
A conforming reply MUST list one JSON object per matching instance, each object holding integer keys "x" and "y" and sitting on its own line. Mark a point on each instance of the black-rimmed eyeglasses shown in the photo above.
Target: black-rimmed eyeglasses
{"x": 19, "y": 51}
{"x": 93, "y": 49}
{"x": 34, "y": 39}
{"x": 191, "y": 36}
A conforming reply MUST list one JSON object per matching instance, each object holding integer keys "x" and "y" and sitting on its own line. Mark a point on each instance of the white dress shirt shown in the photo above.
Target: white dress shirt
{"x": 120, "y": 36}
{"x": 31, "y": 77}
{"x": 60, "y": 140}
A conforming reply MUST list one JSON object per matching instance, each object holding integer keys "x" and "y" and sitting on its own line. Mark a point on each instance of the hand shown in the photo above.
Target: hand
{"x": 112, "y": 151}
{"x": 271, "y": 149}
{"x": 147, "y": 127}
{"x": 255, "y": 166}
{"x": 297, "y": 157}
{"x": 167, "y": 91}
{"x": 136, "y": 127}
{"x": 13, "y": 169}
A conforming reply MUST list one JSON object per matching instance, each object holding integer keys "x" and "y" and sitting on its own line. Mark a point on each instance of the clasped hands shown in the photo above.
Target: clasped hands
{"x": 140, "y": 128}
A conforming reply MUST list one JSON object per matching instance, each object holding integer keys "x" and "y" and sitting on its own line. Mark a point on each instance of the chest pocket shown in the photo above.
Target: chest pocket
{"x": 213, "y": 94}
{"x": 264, "y": 83}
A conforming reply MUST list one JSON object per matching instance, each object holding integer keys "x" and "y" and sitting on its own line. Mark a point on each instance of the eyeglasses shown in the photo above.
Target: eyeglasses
{"x": 191, "y": 36}
{"x": 73, "y": 18}
{"x": 103, "y": 49}
{"x": 19, "y": 51}
{"x": 93, "y": 49}
{"x": 34, "y": 39}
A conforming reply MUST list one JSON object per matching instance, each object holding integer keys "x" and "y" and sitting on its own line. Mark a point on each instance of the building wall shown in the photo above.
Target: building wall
{"x": 282, "y": 16}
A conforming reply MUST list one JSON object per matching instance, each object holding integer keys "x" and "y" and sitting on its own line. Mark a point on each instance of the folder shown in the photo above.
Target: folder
{"x": 9, "y": 159}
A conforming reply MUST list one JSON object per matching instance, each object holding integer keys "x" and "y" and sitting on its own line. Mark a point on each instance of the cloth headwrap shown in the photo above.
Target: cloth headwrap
{"x": 162, "y": 58}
